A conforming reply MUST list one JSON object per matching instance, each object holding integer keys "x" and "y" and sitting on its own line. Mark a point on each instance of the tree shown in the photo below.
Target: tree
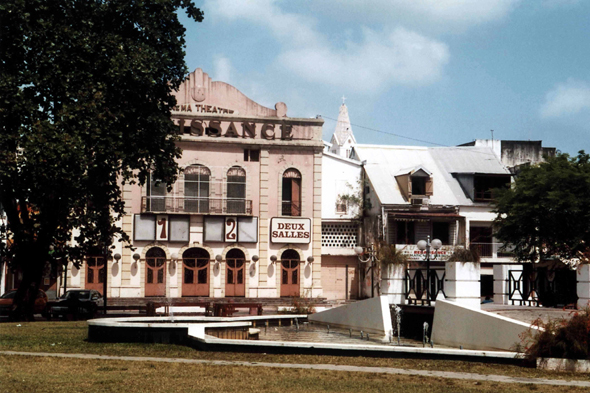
{"x": 546, "y": 213}
{"x": 85, "y": 106}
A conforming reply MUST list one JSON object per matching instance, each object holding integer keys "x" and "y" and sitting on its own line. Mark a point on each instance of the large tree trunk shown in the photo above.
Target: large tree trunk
{"x": 32, "y": 264}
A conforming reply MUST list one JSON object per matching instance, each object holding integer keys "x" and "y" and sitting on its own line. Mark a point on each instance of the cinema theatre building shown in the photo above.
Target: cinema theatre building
{"x": 243, "y": 218}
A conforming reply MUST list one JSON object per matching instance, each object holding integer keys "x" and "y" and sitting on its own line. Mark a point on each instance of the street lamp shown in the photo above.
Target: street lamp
{"x": 425, "y": 245}
{"x": 366, "y": 255}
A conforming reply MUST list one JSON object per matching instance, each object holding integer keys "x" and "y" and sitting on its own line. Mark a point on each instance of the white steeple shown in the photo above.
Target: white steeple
{"x": 343, "y": 138}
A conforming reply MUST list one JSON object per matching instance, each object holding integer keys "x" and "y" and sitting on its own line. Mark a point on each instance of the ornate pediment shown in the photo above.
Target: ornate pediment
{"x": 198, "y": 94}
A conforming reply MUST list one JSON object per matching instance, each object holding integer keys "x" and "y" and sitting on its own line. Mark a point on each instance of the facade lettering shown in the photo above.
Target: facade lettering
{"x": 290, "y": 230}
{"x": 286, "y": 132}
{"x": 201, "y": 108}
{"x": 215, "y": 128}
{"x": 268, "y": 131}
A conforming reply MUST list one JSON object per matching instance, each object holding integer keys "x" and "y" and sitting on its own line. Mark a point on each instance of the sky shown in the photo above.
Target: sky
{"x": 413, "y": 72}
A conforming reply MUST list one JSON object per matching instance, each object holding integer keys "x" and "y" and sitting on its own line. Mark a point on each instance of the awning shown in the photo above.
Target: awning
{"x": 423, "y": 216}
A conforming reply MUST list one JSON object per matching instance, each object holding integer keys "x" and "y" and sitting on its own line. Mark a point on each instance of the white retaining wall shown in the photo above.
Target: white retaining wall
{"x": 370, "y": 315}
{"x": 457, "y": 325}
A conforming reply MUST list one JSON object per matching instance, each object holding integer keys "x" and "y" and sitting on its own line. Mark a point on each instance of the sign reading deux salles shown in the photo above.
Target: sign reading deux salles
{"x": 290, "y": 230}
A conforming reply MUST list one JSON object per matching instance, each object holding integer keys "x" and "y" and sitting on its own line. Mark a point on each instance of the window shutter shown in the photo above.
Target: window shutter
{"x": 429, "y": 186}
{"x": 405, "y": 185}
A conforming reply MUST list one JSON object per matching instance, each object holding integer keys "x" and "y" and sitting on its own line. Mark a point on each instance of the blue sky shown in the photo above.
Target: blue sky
{"x": 443, "y": 72}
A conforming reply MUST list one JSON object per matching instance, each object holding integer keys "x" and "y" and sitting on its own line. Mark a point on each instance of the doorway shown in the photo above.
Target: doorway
{"x": 195, "y": 272}
{"x": 235, "y": 284}
{"x": 155, "y": 273}
{"x": 290, "y": 273}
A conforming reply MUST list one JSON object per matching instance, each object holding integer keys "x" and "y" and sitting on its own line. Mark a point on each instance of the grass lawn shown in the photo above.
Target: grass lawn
{"x": 31, "y": 374}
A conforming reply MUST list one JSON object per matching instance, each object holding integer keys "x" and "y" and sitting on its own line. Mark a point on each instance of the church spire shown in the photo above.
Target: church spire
{"x": 343, "y": 138}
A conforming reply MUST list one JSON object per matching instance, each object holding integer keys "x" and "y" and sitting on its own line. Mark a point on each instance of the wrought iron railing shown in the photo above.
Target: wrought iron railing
{"x": 196, "y": 205}
{"x": 291, "y": 209}
{"x": 492, "y": 250}
{"x": 542, "y": 286}
{"x": 423, "y": 290}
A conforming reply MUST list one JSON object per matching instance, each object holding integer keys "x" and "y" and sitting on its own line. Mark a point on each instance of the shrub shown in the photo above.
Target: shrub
{"x": 462, "y": 254}
{"x": 559, "y": 338}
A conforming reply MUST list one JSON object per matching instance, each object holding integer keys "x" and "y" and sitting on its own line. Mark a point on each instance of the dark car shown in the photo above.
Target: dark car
{"x": 7, "y": 303}
{"x": 77, "y": 304}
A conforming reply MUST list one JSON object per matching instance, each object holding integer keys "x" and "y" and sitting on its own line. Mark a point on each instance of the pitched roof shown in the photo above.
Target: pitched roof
{"x": 383, "y": 163}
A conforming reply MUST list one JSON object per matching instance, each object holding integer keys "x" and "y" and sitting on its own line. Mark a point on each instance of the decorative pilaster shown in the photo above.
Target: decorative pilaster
{"x": 316, "y": 273}
{"x": 263, "y": 220}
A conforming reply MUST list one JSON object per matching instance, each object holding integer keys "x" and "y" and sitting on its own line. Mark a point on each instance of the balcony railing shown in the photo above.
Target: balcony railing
{"x": 291, "y": 209}
{"x": 492, "y": 250}
{"x": 196, "y": 205}
{"x": 421, "y": 289}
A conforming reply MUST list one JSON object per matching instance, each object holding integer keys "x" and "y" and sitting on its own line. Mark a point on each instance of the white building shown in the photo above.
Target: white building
{"x": 420, "y": 193}
{"x": 341, "y": 210}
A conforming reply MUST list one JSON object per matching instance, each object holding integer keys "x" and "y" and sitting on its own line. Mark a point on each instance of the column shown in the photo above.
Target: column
{"x": 392, "y": 283}
{"x": 462, "y": 283}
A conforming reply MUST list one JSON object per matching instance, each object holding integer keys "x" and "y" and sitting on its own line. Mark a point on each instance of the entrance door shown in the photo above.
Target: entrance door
{"x": 195, "y": 272}
{"x": 339, "y": 277}
{"x": 155, "y": 273}
{"x": 235, "y": 284}
{"x": 290, "y": 273}
{"x": 94, "y": 273}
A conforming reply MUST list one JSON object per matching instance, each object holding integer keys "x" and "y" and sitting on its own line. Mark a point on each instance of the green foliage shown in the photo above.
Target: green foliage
{"x": 389, "y": 254}
{"x": 562, "y": 338}
{"x": 85, "y": 106}
{"x": 354, "y": 198}
{"x": 546, "y": 212}
{"x": 462, "y": 254}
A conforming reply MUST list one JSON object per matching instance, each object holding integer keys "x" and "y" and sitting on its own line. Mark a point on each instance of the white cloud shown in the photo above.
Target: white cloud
{"x": 376, "y": 61}
{"x": 439, "y": 15}
{"x": 566, "y": 99}
{"x": 292, "y": 28}
{"x": 222, "y": 69}
{"x": 380, "y": 60}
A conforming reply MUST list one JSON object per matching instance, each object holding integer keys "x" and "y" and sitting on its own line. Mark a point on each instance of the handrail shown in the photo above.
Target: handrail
{"x": 156, "y": 204}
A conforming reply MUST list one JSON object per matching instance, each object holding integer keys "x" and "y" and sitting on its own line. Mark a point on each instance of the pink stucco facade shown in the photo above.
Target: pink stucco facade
{"x": 244, "y": 165}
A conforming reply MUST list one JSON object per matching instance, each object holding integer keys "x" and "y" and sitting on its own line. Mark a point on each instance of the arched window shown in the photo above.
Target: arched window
{"x": 196, "y": 188}
{"x": 236, "y": 190}
{"x": 291, "y": 192}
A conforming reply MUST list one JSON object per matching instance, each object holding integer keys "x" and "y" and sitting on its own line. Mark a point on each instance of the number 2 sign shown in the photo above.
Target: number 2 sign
{"x": 231, "y": 229}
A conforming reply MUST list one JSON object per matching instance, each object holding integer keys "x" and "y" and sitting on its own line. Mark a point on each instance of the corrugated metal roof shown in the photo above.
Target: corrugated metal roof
{"x": 467, "y": 159}
{"x": 384, "y": 162}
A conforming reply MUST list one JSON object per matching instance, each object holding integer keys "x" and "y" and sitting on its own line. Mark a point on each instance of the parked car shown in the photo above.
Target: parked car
{"x": 7, "y": 303}
{"x": 77, "y": 303}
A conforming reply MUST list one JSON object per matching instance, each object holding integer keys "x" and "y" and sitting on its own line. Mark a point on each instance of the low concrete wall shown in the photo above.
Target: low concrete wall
{"x": 458, "y": 325}
{"x": 564, "y": 365}
{"x": 370, "y": 315}
{"x": 583, "y": 285}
